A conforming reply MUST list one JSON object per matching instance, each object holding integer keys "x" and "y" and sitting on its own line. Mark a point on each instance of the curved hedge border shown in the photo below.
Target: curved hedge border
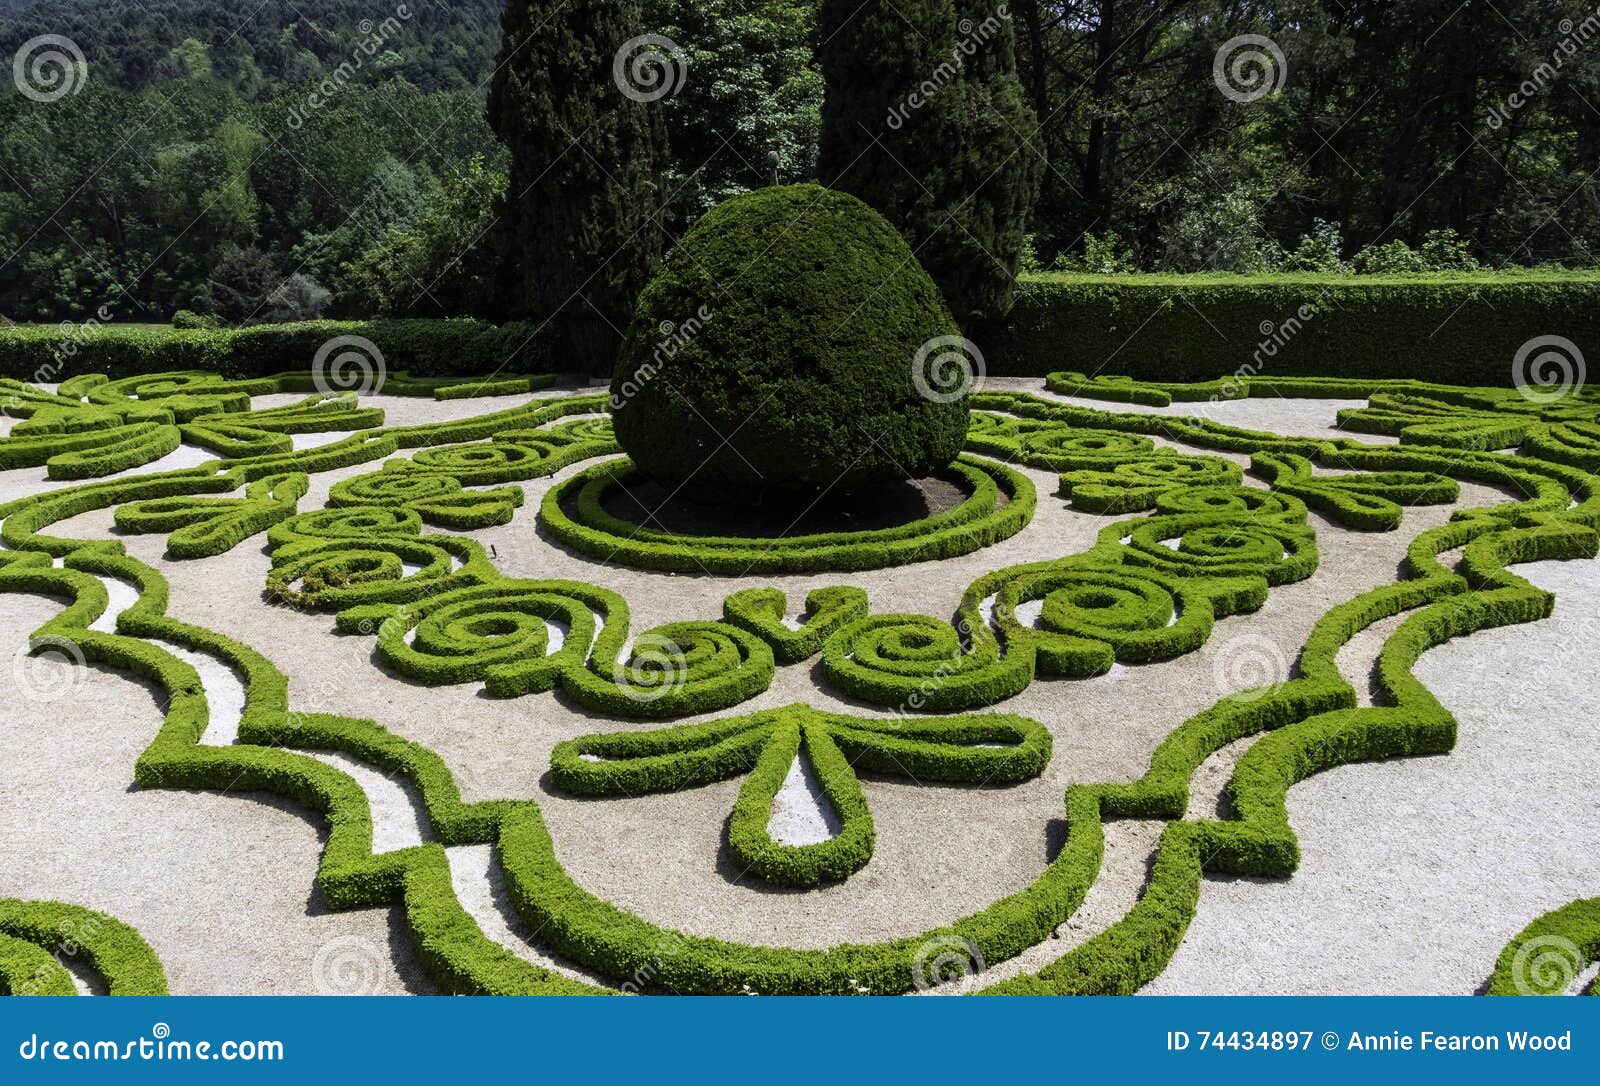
{"x": 1001, "y": 505}
{"x": 992, "y": 749}
{"x": 1312, "y": 718}
{"x": 35, "y": 934}
{"x": 1548, "y": 955}
{"x": 97, "y": 426}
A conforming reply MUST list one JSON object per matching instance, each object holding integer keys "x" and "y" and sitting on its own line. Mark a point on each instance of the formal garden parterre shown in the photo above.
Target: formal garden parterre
{"x": 844, "y": 762}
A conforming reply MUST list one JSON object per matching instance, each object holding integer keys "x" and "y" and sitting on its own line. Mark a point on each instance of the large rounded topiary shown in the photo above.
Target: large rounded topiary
{"x": 788, "y": 348}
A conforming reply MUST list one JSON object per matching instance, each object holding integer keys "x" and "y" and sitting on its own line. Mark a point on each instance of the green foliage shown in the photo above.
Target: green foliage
{"x": 1461, "y": 328}
{"x": 115, "y": 950}
{"x": 578, "y": 233}
{"x": 412, "y": 350}
{"x": 987, "y": 750}
{"x": 1442, "y": 251}
{"x": 795, "y": 375}
{"x": 925, "y": 120}
{"x": 1102, "y": 254}
{"x": 438, "y": 262}
{"x": 1232, "y": 542}
{"x": 1001, "y": 504}
{"x": 752, "y": 89}
{"x": 1321, "y": 251}
{"x": 189, "y": 319}
{"x": 1550, "y": 953}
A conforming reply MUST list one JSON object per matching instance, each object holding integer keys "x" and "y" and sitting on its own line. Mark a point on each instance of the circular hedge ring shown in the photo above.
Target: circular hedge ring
{"x": 1001, "y": 504}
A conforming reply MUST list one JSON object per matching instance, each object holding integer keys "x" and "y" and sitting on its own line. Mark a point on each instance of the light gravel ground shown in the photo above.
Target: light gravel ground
{"x": 222, "y": 885}
{"x": 1417, "y": 872}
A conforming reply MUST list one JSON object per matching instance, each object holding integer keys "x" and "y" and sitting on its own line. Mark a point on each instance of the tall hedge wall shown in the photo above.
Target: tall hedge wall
{"x": 1458, "y": 329}
{"x": 422, "y": 348}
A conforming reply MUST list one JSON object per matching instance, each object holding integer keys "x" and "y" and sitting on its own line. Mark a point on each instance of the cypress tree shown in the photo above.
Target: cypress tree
{"x": 928, "y": 124}
{"x": 579, "y": 229}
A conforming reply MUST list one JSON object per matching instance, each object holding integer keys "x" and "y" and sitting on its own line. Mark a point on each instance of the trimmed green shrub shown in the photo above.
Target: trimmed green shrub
{"x": 780, "y": 351}
{"x": 976, "y": 749}
{"x": 1002, "y": 503}
{"x": 577, "y": 229}
{"x": 1549, "y": 954}
{"x": 1461, "y": 328}
{"x": 116, "y": 951}
{"x": 420, "y": 348}
{"x": 925, "y": 120}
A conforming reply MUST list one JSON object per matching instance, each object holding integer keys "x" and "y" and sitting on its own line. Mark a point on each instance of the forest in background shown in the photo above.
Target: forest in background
{"x": 284, "y": 159}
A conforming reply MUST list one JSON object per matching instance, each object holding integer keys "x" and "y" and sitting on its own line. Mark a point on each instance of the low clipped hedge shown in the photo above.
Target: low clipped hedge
{"x": 1460, "y": 328}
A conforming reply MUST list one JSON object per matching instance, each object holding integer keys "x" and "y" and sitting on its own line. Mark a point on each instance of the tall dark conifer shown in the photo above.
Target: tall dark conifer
{"x": 925, "y": 120}
{"x": 579, "y": 230}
